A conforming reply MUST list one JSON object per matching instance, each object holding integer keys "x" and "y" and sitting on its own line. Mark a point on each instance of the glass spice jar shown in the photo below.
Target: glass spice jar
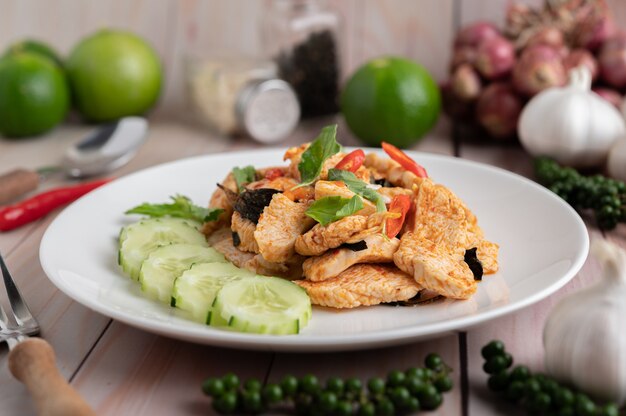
{"x": 242, "y": 96}
{"x": 302, "y": 37}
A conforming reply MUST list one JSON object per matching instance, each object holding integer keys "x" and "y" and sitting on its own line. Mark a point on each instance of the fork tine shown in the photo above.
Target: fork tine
{"x": 22, "y": 314}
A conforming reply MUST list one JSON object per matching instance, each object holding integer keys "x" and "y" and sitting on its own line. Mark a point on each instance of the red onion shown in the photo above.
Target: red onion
{"x": 465, "y": 83}
{"x": 612, "y": 60}
{"x": 610, "y": 95}
{"x": 538, "y": 68}
{"x": 592, "y": 32}
{"x": 549, "y": 36}
{"x": 462, "y": 55}
{"x": 495, "y": 58}
{"x": 475, "y": 34}
{"x": 498, "y": 110}
{"x": 583, "y": 57}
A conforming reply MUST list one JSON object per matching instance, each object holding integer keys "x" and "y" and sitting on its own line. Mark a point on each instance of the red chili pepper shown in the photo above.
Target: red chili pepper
{"x": 352, "y": 161}
{"x": 31, "y": 209}
{"x": 400, "y": 204}
{"x": 274, "y": 173}
{"x": 404, "y": 160}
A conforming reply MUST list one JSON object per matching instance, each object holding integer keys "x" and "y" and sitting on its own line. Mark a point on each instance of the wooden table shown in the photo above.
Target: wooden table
{"x": 121, "y": 370}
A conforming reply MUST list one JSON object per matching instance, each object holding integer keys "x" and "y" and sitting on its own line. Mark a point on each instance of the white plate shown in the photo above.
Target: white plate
{"x": 543, "y": 243}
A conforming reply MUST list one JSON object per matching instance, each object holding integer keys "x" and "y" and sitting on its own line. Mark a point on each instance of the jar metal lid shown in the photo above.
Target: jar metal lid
{"x": 268, "y": 110}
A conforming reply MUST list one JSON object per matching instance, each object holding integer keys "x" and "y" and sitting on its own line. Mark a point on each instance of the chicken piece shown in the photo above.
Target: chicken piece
{"x": 392, "y": 171}
{"x": 291, "y": 269}
{"x": 338, "y": 188}
{"x": 282, "y": 183}
{"x": 440, "y": 216}
{"x": 435, "y": 267}
{"x": 362, "y": 285}
{"x": 379, "y": 249}
{"x": 280, "y": 224}
{"x": 389, "y": 192}
{"x": 487, "y": 253}
{"x": 222, "y": 241}
{"x": 294, "y": 154}
{"x": 245, "y": 231}
{"x": 350, "y": 229}
{"x": 363, "y": 173}
{"x": 220, "y": 200}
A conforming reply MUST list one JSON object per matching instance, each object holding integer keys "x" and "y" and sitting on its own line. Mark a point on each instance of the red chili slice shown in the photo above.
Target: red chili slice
{"x": 404, "y": 160}
{"x": 273, "y": 173}
{"x": 400, "y": 204}
{"x": 352, "y": 161}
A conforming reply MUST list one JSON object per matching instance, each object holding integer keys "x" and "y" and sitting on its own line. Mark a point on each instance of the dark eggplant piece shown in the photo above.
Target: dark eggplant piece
{"x": 251, "y": 202}
{"x": 474, "y": 264}
{"x": 358, "y": 246}
{"x": 236, "y": 239}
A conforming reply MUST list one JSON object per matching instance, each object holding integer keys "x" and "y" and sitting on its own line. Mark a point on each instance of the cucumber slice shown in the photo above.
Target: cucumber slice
{"x": 166, "y": 263}
{"x": 138, "y": 240}
{"x": 195, "y": 290}
{"x": 265, "y": 305}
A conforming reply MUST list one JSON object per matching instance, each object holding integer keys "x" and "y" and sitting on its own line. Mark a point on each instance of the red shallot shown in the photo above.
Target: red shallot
{"x": 498, "y": 110}
{"x": 612, "y": 60}
{"x": 495, "y": 58}
{"x": 538, "y": 68}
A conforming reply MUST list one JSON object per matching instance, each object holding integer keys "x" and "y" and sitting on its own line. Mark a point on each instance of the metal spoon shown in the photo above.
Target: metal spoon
{"x": 108, "y": 147}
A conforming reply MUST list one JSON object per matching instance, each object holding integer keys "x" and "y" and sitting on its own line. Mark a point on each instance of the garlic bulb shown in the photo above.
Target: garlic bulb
{"x": 585, "y": 335}
{"x": 616, "y": 163}
{"x": 571, "y": 124}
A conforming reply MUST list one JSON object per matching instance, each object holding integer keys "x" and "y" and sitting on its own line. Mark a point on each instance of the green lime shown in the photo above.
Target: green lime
{"x": 36, "y": 47}
{"x": 33, "y": 95}
{"x": 114, "y": 74}
{"x": 391, "y": 99}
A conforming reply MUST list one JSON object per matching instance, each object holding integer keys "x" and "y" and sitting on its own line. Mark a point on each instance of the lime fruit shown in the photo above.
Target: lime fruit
{"x": 33, "y": 94}
{"x": 391, "y": 99}
{"x": 113, "y": 74}
{"x": 36, "y": 47}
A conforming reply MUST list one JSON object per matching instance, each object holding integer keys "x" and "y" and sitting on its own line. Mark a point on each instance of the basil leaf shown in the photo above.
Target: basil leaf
{"x": 244, "y": 175}
{"x": 358, "y": 187}
{"x": 180, "y": 208}
{"x": 313, "y": 158}
{"x": 332, "y": 208}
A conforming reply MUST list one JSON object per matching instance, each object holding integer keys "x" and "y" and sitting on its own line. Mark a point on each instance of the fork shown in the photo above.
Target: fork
{"x": 32, "y": 360}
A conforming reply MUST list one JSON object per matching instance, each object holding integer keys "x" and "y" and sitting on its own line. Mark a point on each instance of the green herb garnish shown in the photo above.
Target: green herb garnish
{"x": 313, "y": 158}
{"x": 333, "y": 208}
{"x": 182, "y": 207}
{"x": 358, "y": 187}
{"x": 244, "y": 175}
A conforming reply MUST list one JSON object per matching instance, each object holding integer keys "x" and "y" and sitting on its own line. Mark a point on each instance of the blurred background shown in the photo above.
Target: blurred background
{"x": 422, "y": 31}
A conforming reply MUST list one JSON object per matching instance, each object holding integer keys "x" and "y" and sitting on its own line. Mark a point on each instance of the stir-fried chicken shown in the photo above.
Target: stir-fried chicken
{"x": 392, "y": 171}
{"x": 434, "y": 267}
{"x": 245, "y": 233}
{"x": 379, "y": 249}
{"x": 360, "y": 285}
{"x": 350, "y": 229}
{"x": 222, "y": 241}
{"x": 281, "y": 223}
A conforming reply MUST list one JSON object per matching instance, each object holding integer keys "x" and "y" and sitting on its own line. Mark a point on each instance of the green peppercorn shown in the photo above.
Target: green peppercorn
{"x": 289, "y": 385}
{"x": 230, "y": 381}
{"x": 492, "y": 349}
{"x": 213, "y": 387}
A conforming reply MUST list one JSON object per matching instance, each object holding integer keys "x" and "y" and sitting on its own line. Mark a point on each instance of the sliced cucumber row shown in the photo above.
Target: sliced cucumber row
{"x": 195, "y": 290}
{"x": 138, "y": 240}
{"x": 166, "y": 263}
{"x": 172, "y": 261}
